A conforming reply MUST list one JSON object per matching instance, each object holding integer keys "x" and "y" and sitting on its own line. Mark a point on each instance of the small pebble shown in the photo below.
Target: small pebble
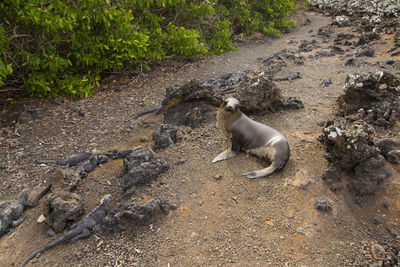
{"x": 218, "y": 177}
{"x": 81, "y": 113}
{"x": 390, "y": 62}
{"x": 180, "y": 162}
{"x": 144, "y": 139}
{"x": 376, "y": 221}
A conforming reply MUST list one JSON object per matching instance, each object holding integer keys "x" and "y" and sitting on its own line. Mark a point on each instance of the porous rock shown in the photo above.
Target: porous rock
{"x": 379, "y": 8}
{"x": 325, "y": 31}
{"x": 333, "y": 177}
{"x": 365, "y": 38}
{"x": 380, "y": 255}
{"x": 348, "y": 144}
{"x": 63, "y": 208}
{"x": 137, "y": 157}
{"x": 194, "y": 117}
{"x": 386, "y": 145}
{"x": 190, "y": 114}
{"x": 190, "y": 103}
{"x": 394, "y": 156}
{"x": 276, "y": 62}
{"x": 30, "y": 112}
{"x": 165, "y": 135}
{"x": 369, "y": 174}
{"x": 191, "y": 91}
{"x": 289, "y": 103}
{"x": 325, "y": 83}
{"x": 141, "y": 168}
{"x": 323, "y": 205}
{"x": 65, "y": 179}
{"x": 257, "y": 92}
{"x": 379, "y": 252}
{"x": 369, "y": 52}
{"x": 369, "y": 91}
{"x": 342, "y": 21}
{"x": 140, "y": 214}
{"x": 132, "y": 215}
{"x": 369, "y": 104}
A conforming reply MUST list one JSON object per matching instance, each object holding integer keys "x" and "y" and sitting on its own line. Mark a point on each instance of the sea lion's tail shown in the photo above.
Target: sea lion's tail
{"x": 262, "y": 173}
{"x": 281, "y": 156}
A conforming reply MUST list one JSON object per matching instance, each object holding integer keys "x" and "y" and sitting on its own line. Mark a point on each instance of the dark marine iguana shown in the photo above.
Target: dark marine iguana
{"x": 85, "y": 162}
{"x": 79, "y": 230}
{"x": 10, "y": 212}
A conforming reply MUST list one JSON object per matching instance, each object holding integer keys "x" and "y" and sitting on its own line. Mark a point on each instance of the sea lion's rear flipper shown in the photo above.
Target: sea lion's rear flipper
{"x": 262, "y": 173}
{"x": 227, "y": 154}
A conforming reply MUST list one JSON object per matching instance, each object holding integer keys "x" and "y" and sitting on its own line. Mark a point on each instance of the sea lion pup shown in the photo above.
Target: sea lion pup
{"x": 252, "y": 137}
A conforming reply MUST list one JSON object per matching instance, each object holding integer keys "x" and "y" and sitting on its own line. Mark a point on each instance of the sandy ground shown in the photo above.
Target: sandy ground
{"x": 230, "y": 221}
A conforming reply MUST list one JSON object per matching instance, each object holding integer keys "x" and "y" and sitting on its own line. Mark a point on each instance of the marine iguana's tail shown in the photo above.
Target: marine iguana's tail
{"x": 41, "y": 194}
{"x": 49, "y": 245}
{"x": 154, "y": 109}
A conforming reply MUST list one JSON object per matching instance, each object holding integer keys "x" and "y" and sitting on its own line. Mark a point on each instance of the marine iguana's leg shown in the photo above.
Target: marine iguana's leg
{"x": 38, "y": 197}
{"x": 84, "y": 234}
{"x": 17, "y": 222}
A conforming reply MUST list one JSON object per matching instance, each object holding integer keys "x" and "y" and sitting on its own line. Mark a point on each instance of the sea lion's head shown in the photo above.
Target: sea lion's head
{"x": 230, "y": 105}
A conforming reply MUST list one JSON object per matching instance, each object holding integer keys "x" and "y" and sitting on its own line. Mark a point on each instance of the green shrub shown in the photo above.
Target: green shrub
{"x": 5, "y": 69}
{"x": 184, "y": 42}
{"x": 220, "y": 40}
{"x": 56, "y": 46}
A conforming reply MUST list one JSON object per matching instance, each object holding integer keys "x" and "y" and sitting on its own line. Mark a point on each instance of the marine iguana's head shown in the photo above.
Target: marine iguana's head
{"x": 105, "y": 201}
{"x": 230, "y": 105}
{"x": 24, "y": 195}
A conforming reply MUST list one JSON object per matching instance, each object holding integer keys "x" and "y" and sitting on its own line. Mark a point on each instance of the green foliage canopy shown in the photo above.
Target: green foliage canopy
{"x": 56, "y": 46}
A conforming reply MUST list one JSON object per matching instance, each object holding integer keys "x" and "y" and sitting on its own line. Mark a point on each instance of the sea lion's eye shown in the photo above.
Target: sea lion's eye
{"x": 225, "y": 102}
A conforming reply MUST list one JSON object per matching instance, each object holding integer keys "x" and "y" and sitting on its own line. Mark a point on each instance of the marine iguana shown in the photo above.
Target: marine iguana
{"x": 147, "y": 111}
{"x": 10, "y": 213}
{"x": 79, "y": 230}
{"x": 85, "y": 162}
{"x": 289, "y": 77}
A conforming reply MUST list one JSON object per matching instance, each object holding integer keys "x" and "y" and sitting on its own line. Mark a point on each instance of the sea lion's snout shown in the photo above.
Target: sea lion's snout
{"x": 231, "y": 104}
{"x": 229, "y": 108}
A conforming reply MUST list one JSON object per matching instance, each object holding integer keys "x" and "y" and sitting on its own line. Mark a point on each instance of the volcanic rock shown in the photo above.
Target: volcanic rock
{"x": 132, "y": 215}
{"x": 323, "y": 205}
{"x": 165, "y": 135}
{"x": 369, "y": 174}
{"x": 141, "y": 168}
{"x": 63, "y": 208}
{"x": 348, "y": 144}
{"x": 65, "y": 179}
{"x": 388, "y": 144}
{"x": 368, "y": 91}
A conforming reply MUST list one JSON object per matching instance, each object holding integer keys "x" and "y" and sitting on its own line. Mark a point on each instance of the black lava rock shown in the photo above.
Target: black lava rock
{"x": 323, "y": 205}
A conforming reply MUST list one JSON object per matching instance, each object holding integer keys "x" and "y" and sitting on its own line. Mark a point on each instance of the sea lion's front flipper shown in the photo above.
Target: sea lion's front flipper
{"x": 227, "y": 154}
